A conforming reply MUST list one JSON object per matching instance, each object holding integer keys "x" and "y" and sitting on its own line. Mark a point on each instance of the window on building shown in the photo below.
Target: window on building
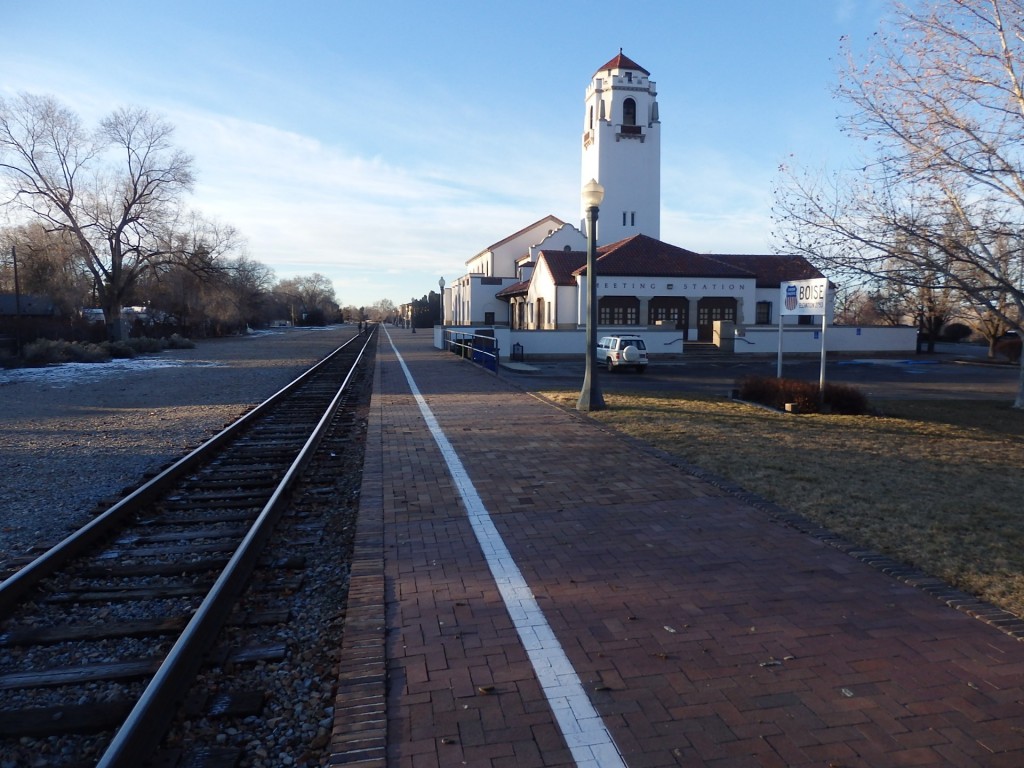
{"x": 632, "y": 219}
{"x": 709, "y": 314}
{"x": 618, "y": 310}
{"x": 629, "y": 112}
{"x": 624, "y": 218}
{"x": 664, "y": 315}
{"x": 764, "y": 313}
{"x": 616, "y": 315}
{"x": 488, "y": 318}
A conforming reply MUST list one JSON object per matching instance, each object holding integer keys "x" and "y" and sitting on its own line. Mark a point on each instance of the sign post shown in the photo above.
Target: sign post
{"x": 804, "y": 297}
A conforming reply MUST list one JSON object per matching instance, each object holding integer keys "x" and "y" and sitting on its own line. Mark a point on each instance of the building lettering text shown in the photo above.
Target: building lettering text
{"x": 653, "y": 286}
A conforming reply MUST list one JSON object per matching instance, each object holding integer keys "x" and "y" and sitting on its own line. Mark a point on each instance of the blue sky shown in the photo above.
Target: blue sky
{"x": 384, "y": 143}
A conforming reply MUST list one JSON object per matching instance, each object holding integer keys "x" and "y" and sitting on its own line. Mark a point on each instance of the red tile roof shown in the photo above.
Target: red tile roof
{"x": 623, "y": 62}
{"x": 771, "y": 270}
{"x": 643, "y": 255}
{"x": 563, "y": 265}
{"x": 513, "y": 290}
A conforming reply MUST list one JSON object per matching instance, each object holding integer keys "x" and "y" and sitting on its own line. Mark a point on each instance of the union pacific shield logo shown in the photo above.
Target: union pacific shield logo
{"x": 791, "y": 297}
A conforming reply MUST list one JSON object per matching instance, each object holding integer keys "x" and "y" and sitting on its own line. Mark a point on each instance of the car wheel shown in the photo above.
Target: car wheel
{"x": 610, "y": 366}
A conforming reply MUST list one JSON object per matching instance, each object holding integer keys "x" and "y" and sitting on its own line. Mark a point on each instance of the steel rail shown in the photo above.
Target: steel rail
{"x": 145, "y": 726}
{"x": 15, "y": 587}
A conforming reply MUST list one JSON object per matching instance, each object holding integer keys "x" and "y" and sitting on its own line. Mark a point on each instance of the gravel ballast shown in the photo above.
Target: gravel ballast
{"x": 81, "y": 435}
{"x": 76, "y": 435}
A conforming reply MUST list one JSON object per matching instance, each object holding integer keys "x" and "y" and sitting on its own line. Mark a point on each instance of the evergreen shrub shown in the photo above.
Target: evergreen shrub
{"x": 48, "y": 351}
{"x": 180, "y": 342}
{"x": 119, "y": 349}
{"x": 144, "y": 345}
{"x": 956, "y": 332}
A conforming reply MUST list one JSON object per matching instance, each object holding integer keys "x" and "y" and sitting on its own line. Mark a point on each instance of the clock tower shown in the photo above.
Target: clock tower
{"x": 622, "y": 150}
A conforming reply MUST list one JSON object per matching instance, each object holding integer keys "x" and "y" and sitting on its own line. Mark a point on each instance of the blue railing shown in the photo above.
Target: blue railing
{"x": 481, "y": 348}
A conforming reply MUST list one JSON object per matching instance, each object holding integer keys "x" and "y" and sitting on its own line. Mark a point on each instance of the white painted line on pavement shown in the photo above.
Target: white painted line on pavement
{"x": 589, "y": 741}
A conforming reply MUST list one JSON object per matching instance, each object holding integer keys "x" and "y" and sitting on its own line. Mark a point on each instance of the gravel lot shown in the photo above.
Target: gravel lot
{"x": 75, "y": 435}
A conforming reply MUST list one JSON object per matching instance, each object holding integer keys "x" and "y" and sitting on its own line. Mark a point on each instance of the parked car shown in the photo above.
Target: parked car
{"x": 622, "y": 351}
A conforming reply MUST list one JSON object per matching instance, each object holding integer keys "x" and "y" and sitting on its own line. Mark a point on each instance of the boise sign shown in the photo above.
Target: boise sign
{"x": 804, "y": 297}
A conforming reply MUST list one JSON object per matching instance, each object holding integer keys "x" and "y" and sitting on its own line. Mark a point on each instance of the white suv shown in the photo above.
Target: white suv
{"x": 622, "y": 351}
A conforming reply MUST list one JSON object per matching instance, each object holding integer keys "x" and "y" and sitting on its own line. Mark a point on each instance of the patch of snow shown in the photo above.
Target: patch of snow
{"x": 68, "y": 373}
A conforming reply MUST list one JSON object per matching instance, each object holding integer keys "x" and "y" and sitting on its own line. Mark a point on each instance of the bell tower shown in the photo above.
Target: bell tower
{"x": 622, "y": 150}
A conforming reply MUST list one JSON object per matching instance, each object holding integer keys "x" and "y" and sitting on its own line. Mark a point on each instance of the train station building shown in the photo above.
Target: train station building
{"x": 530, "y": 288}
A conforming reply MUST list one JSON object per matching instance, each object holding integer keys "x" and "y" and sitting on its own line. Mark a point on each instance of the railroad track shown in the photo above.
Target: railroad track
{"x": 101, "y": 636}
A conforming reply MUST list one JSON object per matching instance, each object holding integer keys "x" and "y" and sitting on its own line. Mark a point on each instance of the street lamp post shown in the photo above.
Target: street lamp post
{"x": 591, "y": 398}
{"x": 440, "y": 301}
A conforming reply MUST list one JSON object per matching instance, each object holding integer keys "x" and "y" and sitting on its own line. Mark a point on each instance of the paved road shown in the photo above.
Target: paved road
{"x": 943, "y": 375}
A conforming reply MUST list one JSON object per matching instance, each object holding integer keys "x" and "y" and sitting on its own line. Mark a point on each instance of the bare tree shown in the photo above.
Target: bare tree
{"x": 48, "y": 267}
{"x": 383, "y": 309}
{"x": 248, "y": 285}
{"x": 116, "y": 192}
{"x": 853, "y": 306}
{"x": 308, "y": 299}
{"x": 940, "y": 104}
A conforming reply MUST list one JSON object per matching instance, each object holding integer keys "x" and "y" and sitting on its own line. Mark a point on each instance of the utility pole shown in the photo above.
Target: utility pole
{"x": 17, "y": 302}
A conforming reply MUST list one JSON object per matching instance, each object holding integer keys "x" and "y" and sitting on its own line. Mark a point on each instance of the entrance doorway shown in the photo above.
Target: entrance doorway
{"x": 669, "y": 311}
{"x": 711, "y": 309}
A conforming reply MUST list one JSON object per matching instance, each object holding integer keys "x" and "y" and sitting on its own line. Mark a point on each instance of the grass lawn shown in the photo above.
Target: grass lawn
{"x": 935, "y": 484}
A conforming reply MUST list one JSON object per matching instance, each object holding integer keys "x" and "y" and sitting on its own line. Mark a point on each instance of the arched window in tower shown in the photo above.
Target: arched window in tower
{"x": 629, "y": 112}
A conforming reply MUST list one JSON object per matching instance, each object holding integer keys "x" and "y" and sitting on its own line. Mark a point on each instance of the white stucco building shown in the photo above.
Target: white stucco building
{"x": 472, "y": 299}
{"x": 621, "y": 149}
{"x": 530, "y": 288}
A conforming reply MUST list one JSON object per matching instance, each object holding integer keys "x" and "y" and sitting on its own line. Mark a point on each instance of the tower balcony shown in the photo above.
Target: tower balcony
{"x": 630, "y": 132}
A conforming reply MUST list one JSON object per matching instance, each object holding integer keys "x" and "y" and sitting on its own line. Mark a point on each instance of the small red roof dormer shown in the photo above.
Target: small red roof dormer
{"x": 623, "y": 62}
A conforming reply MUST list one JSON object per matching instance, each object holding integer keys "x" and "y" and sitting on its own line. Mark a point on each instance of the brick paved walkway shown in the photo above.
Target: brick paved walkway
{"x": 703, "y": 631}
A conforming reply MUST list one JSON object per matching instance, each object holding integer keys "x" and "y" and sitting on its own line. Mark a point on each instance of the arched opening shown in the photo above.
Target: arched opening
{"x": 629, "y": 112}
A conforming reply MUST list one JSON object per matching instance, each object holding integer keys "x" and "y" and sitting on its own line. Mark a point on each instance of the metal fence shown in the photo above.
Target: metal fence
{"x": 479, "y": 346}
